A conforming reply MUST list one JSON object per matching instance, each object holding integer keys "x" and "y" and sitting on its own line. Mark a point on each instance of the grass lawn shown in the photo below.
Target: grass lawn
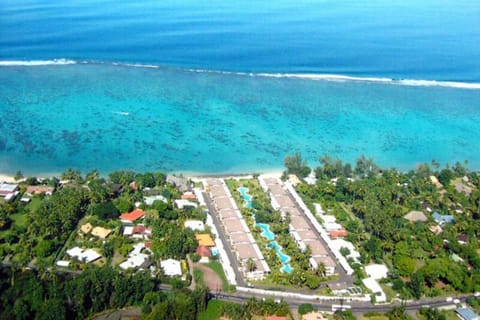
{"x": 198, "y": 277}
{"x": 389, "y": 292}
{"x": 217, "y": 267}
{"x": 34, "y": 204}
{"x": 212, "y": 312}
{"x": 19, "y": 219}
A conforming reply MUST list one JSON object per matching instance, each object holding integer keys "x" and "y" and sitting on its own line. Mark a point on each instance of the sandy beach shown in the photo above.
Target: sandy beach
{"x": 6, "y": 178}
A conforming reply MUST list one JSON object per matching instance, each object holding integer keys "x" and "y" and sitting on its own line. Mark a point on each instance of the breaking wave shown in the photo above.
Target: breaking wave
{"x": 306, "y": 76}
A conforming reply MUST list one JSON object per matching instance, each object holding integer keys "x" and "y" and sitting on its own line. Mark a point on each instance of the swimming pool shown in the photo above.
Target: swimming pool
{"x": 248, "y": 198}
{"x": 267, "y": 233}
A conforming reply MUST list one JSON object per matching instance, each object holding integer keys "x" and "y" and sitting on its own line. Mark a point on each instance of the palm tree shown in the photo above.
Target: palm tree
{"x": 251, "y": 266}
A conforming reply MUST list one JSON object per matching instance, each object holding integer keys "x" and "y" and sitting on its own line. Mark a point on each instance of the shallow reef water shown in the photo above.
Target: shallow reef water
{"x": 112, "y": 117}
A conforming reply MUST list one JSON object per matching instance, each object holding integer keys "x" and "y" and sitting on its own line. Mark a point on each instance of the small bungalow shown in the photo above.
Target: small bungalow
{"x": 139, "y": 260}
{"x": 86, "y": 228}
{"x": 415, "y": 216}
{"x": 149, "y": 200}
{"x": 195, "y": 225}
{"x": 204, "y": 239}
{"x": 80, "y": 254}
{"x": 35, "y": 190}
{"x": 442, "y": 219}
{"x": 467, "y": 314}
{"x": 171, "y": 267}
{"x": 377, "y": 271}
{"x": 181, "y": 203}
{"x": 132, "y": 216}
{"x": 189, "y": 196}
{"x": 100, "y": 232}
{"x": 204, "y": 253}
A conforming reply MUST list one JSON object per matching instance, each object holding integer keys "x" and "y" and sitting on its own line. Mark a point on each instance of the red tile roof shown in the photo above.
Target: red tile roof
{"x": 203, "y": 251}
{"x": 338, "y": 233}
{"x": 133, "y": 216}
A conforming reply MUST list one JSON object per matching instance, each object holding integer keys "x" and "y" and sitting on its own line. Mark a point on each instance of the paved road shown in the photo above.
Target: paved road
{"x": 221, "y": 233}
{"x": 360, "y": 307}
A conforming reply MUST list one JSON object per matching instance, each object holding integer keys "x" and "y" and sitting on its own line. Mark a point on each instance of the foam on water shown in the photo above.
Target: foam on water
{"x": 306, "y": 76}
{"x": 35, "y": 63}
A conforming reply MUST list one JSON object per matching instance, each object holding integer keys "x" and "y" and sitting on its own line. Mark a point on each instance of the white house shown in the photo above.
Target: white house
{"x": 171, "y": 267}
{"x": 135, "y": 261}
{"x": 181, "y": 203}
{"x": 149, "y": 200}
{"x": 80, "y": 254}
{"x": 377, "y": 271}
{"x": 195, "y": 225}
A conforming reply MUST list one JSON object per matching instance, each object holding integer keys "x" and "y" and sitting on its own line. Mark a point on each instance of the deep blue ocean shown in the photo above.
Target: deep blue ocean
{"x": 220, "y": 86}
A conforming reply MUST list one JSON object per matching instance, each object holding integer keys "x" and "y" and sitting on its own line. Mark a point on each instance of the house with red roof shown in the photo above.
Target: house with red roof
{"x": 132, "y": 216}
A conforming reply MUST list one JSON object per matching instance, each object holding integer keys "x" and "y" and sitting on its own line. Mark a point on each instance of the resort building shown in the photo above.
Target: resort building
{"x": 300, "y": 228}
{"x": 238, "y": 234}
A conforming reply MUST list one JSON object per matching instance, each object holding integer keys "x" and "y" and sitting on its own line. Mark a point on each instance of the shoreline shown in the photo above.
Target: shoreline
{"x": 10, "y": 178}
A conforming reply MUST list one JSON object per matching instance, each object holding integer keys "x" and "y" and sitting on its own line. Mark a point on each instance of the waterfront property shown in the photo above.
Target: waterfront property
{"x": 237, "y": 232}
{"x": 299, "y": 227}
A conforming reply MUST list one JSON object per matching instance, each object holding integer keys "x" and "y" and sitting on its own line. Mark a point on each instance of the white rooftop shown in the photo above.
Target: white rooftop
{"x": 328, "y": 218}
{"x": 332, "y": 226}
{"x": 87, "y": 255}
{"x": 171, "y": 267}
{"x": 134, "y": 261}
{"x": 63, "y": 263}
{"x": 195, "y": 225}
{"x": 181, "y": 203}
{"x": 128, "y": 231}
{"x": 151, "y": 199}
{"x": 8, "y": 187}
{"x": 377, "y": 271}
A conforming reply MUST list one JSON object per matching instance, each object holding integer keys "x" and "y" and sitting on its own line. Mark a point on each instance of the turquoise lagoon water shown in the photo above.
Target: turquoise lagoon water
{"x": 105, "y": 116}
{"x": 268, "y": 234}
